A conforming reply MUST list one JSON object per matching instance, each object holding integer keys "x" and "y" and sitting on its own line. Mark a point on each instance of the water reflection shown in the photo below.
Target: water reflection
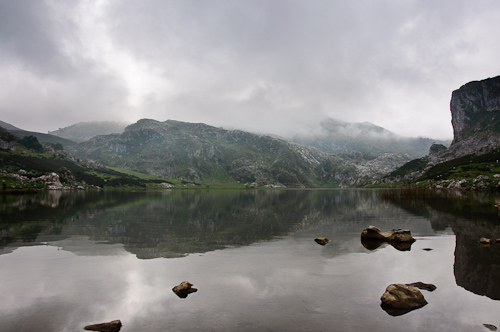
{"x": 175, "y": 223}
{"x": 273, "y": 277}
{"x": 471, "y": 215}
{"x": 372, "y": 244}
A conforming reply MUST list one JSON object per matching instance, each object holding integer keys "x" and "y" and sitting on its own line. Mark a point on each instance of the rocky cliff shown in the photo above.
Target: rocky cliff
{"x": 475, "y": 112}
{"x": 471, "y": 161}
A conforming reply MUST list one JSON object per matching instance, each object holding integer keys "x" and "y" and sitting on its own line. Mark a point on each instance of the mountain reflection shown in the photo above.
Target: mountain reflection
{"x": 471, "y": 215}
{"x": 177, "y": 222}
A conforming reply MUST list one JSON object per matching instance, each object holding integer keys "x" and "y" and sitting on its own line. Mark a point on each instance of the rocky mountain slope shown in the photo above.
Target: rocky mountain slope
{"x": 199, "y": 152}
{"x": 83, "y": 131}
{"x": 471, "y": 160}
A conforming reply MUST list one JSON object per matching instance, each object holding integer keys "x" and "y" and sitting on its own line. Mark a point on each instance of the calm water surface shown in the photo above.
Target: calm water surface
{"x": 70, "y": 259}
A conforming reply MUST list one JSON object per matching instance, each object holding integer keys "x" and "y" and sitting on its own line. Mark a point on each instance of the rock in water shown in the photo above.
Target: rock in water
{"x": 113, "y": 326}
{"x": 484, "y": 240}
{"x": 421, "y": 285}
{"x": 322, "y": 240}
{"x": 184, "y": 289}
{"x": 490, "y": 327}
{"x": 394, "y": 235}
{"x": 400, "y": 296}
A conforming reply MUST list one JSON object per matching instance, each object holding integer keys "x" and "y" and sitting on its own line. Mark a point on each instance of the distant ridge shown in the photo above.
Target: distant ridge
{"x": 335, "y": 137}
{"x": 83, "y": 131}
{"x": 8, "y": 126}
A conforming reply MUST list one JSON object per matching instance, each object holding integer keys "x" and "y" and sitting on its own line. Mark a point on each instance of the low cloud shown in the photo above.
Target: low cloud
{"x": 266, "y": 66}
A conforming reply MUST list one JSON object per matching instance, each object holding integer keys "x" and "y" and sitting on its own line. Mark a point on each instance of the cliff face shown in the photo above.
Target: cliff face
{"x": 474, "y": 105}
{"x": 475, "y": 113}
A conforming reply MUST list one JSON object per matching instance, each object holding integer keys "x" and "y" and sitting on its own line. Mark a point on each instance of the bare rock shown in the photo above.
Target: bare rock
{"x": 113, "y": 326}
{"x": 184, "y": 289}
{"x": 400, "y": 296}
{"x": 421, "y": 285}
{"x": 394, "y": 235}
{"x": 322, "y": 240}
{"x": 484, "y": 240}
{"x": 490, "y": 327}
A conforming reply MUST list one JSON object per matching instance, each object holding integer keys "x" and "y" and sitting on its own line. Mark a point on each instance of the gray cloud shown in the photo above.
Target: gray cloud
{"x": 268, "y": 66}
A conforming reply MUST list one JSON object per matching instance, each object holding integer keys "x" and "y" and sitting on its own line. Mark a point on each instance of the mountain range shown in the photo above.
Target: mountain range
{"x": 340, "y": 154}
{"x": 336, "y": 154}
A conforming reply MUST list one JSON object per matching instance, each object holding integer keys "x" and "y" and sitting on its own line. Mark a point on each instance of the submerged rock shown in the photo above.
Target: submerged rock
{"x": 322, "y": 240}
{"x": 394, "y": 235}
{"x": 400, "y": 299}
{"x": 113, "y": 326}
{"x": 184, "y": 289}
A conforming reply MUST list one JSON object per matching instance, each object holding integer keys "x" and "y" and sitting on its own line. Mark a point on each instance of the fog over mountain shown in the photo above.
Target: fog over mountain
{"x": 266, "y": 66}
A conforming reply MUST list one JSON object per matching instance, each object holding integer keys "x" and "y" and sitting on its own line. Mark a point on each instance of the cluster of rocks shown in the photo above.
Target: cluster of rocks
{"x": 182, "y": 290}
{"x": 481, "y": 182}
{"x": 8, "y": 144}
{"x": 51, "y": 181}
{"x": 487, "y": 241}
{"x": 398, "y": 299}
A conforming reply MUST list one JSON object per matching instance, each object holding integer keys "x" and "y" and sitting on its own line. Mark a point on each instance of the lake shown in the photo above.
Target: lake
{"x": 70, "y": 259}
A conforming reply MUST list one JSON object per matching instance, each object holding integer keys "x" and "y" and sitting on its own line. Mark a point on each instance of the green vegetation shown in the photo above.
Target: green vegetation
{"x": 31, "y": 142}
{"x": 467, "y": 166}
{"x": 469, "y": 169}
{"x": 21, "y": 168}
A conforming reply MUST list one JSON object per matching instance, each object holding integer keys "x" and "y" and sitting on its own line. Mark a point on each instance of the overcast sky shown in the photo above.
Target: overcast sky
{"x": 261, "y": 65}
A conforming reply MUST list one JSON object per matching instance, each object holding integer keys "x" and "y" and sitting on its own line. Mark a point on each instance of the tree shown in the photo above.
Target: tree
{"x": 58, "y": 147}
{"x": 31, "y": 142}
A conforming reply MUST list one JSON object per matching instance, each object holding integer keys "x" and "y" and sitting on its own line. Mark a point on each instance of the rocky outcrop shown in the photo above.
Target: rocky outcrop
{"x": 436, "y": 148}
{"x": 475, "y": 116}
{"x": 7, "y": 145}
{"x": 471, "y": 103}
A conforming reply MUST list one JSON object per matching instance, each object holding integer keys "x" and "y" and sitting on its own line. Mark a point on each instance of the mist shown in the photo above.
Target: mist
{"x": 277, "y": 67}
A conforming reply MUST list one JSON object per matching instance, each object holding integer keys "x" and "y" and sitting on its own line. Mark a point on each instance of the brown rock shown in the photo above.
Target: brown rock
{"x": 184, "y": 289}
{"x": 421, "y": 285}
{"x": 484, "y": 240}
{"x": 401, "y": 296}
{"x": 322, "y": 240}
{"x": 113, "y": 326}
{"x": 394, "y": 235}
